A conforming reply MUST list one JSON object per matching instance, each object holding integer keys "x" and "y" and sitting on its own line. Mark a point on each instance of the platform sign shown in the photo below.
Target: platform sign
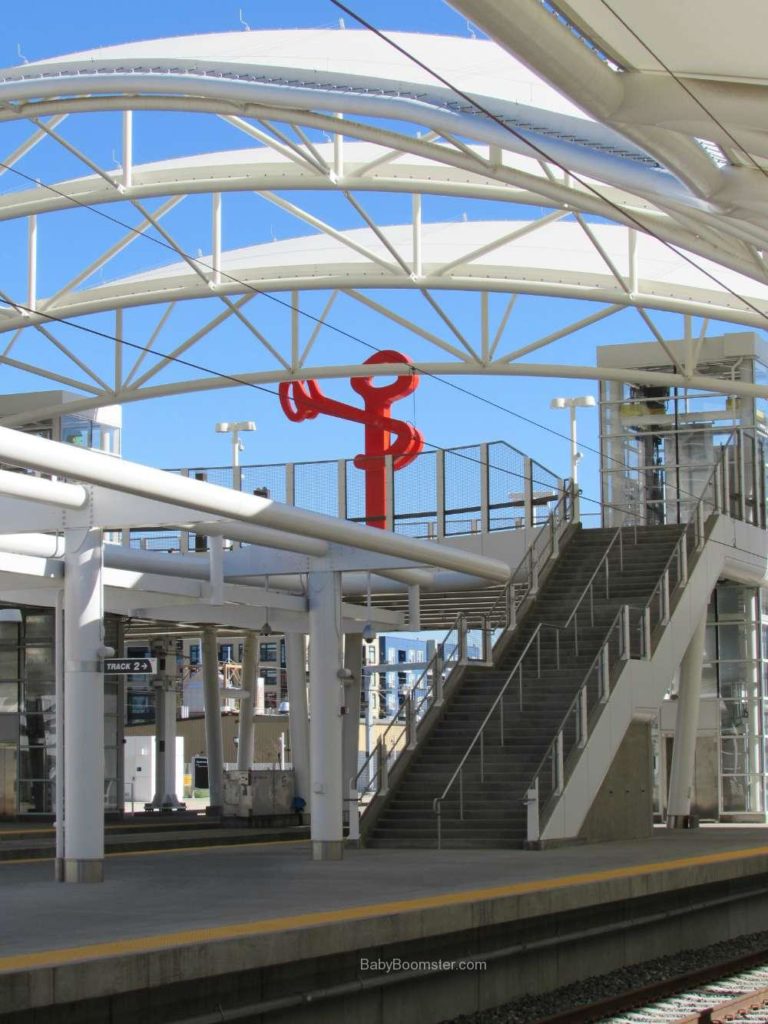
{"x": 130, "y": 666}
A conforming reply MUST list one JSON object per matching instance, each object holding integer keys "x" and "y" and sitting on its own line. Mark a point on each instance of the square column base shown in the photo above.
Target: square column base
{"x": 323, "y": 849}
{"x": 677, "y": 821}
{"x": 73, "y": 870}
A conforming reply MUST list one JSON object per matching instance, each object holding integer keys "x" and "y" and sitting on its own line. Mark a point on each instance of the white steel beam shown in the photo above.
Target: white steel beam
{"x": 132, "y": 478}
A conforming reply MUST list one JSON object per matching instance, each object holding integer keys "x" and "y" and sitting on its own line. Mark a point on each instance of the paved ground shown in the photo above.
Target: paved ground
{"x": 149, "y": 894}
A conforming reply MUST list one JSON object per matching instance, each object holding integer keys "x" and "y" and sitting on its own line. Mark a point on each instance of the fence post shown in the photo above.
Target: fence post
{"x": 511, "y": 607}
{"x": 665, "y": 598}
{"x": 485, "y": 511}
{"x": 290, "y": 484}
{"x": 440, "y": 492}
{"x": 528, "y": 490}
{"x": 554, "y": 527}
{"x": 583, "y": 721}
{"x": 532, "y": 816}
{"x": 438, "y": 681}
{"x": 354, "y": 813}
{"x": 683, "y": 549}
{"x": 383, "y": 768}
{"x": 647, "y": 633}
{"x": 605, "y": 673}
{"x": 411, "y": 722}
{"x": 626, "y": 649}
{"x": 341, "y": 488}
{"x": 389, "y": 469}
{"x": 559, "y": 764}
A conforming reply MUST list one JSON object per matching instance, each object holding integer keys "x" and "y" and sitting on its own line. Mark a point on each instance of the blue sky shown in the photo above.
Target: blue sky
{"x": 179, "y": 431}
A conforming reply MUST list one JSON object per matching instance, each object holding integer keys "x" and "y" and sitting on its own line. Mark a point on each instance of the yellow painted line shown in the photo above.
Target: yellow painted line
{"x": 170, "y": 849}
{"x": 152, "y": 943}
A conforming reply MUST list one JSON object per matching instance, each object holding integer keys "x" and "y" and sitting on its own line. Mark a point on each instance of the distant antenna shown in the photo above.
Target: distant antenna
{"x": 243, "y": 22}
{"x": 341, "y": 23}
{"x": 20, "y": 54}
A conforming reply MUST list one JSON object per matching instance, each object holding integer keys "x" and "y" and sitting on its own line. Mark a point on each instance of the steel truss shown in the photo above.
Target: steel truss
{"x": 300, "y": 138}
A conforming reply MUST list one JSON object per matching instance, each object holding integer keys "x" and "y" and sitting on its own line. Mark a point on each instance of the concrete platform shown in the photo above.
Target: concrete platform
{"x": 32, "y": 843}
{"x": 166, "y": 919}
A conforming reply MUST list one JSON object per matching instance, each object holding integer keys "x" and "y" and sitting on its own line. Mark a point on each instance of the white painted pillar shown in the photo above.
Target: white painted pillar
{"x": 58, "y": 654}
{"x": 326, "y": 699}
{"x": 247, "y": 702}
{"x": 353, "y": 660}
{"x": 686, "y": 728}
{"x": 296, "y": 672}
{"x": 83, "y": 708}
{"x": 165, "y": 798}
{"x": 213, "y": 740}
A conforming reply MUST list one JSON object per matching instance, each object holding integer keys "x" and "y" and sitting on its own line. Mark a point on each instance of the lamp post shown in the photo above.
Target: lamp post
{"x": 235, "y": 429}
{"x": 572, "y": 404}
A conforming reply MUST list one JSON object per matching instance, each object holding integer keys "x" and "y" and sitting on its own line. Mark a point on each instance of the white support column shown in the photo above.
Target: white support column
{"x": 83, "y": 708}
{"x": 164, "y": 685}
{"x": 686, "y": 728}
{"x": 32, "y": 262}
{"x": 353, "y": 660}
{"x": 58, "y": 669}
{"x": 127, "y": 148}
{"x": 216, "y": 237}
{"x": 247, "y": 703}
{"x": 296, "y": 672}
{"x": 326, "y": 698}
{"x": 416, "y": 206}
{"x": 213, "y": 740}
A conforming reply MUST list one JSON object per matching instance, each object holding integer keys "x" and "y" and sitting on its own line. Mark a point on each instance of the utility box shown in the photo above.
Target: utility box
{"x": 258, "y": 793}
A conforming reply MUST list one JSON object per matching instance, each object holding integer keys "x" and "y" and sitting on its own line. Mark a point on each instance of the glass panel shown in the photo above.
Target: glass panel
{"x": 36, "y": 796}
{"x": 9, "y": 697}
{"x": 9, "y": 663}
{"x": 38, "y": 626}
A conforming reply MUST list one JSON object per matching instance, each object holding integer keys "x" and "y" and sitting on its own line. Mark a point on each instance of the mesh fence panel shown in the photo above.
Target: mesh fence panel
{"x": 316, "y": 487}
{"x": 462, "y": 489}
{"x": 355, "y": 493}
{"x": 415, "y": 489}
{"x": 546, "y": 488}
{"x": 506, "y": 486}
{"x": 416, "y": 495}
{"x": 271, "y": 477}
{"x": 219, "y": 475}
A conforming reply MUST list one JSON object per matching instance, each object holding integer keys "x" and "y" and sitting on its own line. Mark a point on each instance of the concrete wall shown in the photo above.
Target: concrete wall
{"x": 267, "y": 729}
{"x": 640, "y": 688}
{"x": 623, "y": 807}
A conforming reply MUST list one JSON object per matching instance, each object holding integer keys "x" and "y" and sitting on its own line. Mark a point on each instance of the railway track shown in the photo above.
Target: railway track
{"x": 735, "y": 992}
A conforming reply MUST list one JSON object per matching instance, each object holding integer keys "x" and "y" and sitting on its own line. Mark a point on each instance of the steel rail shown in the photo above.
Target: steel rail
{"x": 535, "y": 636}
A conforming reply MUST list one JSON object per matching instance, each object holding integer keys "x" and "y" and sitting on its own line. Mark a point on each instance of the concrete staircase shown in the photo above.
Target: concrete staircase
{"x": 494, "y": 812}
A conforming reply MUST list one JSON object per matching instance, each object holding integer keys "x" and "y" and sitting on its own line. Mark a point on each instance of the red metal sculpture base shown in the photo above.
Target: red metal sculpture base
{"x": 303, "y": 400}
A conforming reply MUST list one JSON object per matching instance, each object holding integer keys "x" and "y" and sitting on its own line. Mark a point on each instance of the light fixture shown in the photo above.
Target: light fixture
{"x": 266, "y": 629}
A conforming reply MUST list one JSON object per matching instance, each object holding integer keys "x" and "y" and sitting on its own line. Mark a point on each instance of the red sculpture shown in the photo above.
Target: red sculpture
{"x": 303, "y": 400}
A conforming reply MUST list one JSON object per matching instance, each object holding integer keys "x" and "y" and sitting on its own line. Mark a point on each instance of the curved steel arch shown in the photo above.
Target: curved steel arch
{"x": 248, "y": 83}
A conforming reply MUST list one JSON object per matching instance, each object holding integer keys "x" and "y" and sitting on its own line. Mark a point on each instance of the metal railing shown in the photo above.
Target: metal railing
{"x": 528, "y": 667}
{"x": 426, "y": 692}
{"x": 624, "y": 641}
{"x": 545, "y": 546}
{"x": 447, "y": 492}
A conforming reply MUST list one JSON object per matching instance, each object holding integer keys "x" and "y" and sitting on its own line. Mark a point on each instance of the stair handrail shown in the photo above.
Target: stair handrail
{"x": 408, "y": 710}
{"x": 555, "y": 748}
{"x": 558, "y": 517}
{"x": 561, "y": 513}
{"x": 517, "y": 668}
{"x": 604, "y": 561}
{"x": 695, "y": 525}
{"x": 695, "y": 528}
